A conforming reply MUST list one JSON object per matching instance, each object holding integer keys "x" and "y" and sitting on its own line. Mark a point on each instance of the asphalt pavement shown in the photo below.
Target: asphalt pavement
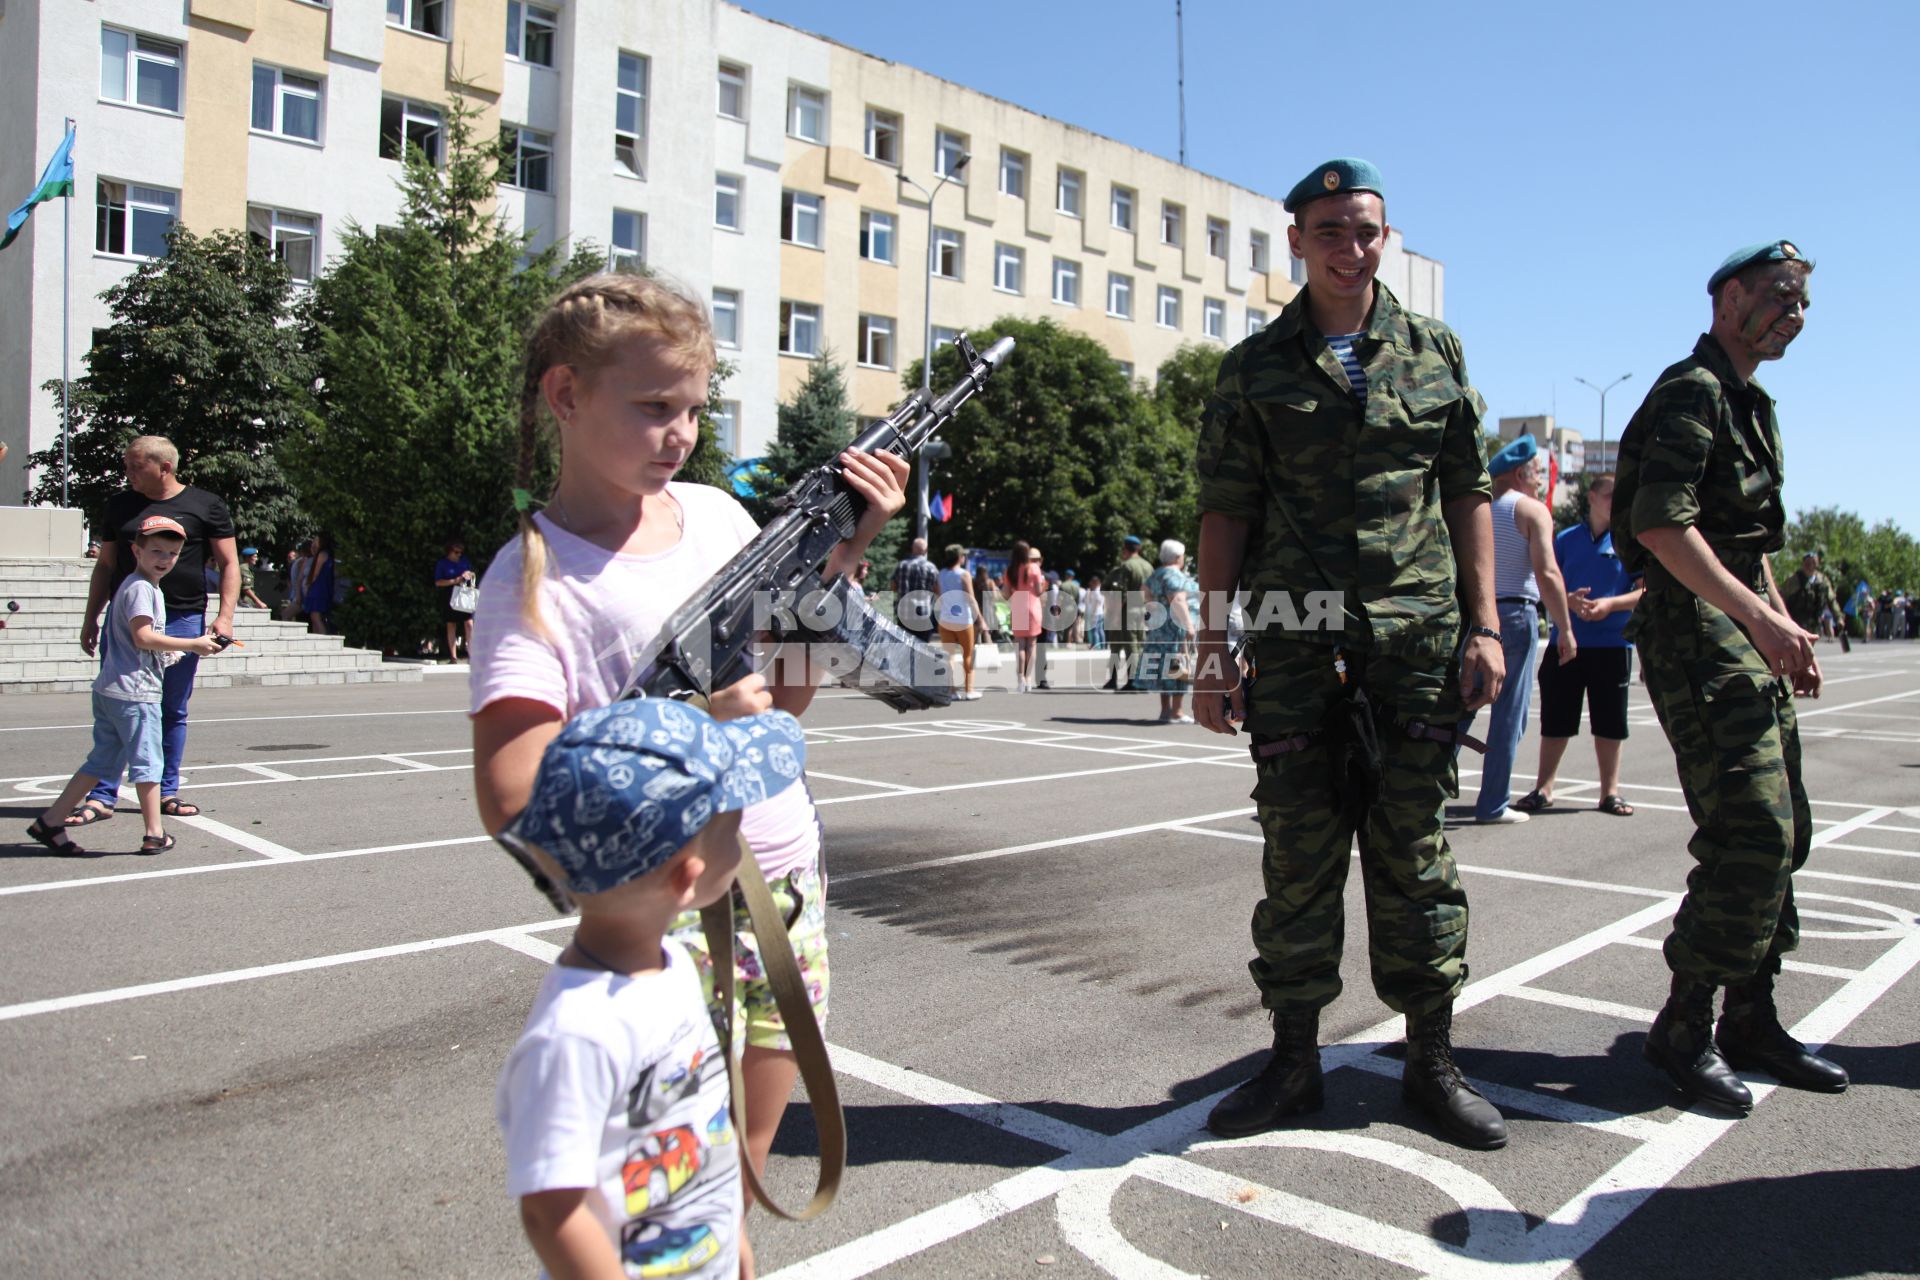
{"x": 272, "y": 1052}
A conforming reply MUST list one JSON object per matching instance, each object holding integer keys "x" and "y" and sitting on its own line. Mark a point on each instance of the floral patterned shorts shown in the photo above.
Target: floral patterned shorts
{"x": 801, "y": 897}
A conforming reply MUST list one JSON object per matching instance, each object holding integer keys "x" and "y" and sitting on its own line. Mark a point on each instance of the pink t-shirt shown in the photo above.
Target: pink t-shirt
{"x": 602, "y": 609}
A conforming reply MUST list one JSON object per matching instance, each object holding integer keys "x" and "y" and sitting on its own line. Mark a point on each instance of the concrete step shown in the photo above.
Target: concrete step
{"x": 249, "y": 626}
{"x": 13, "y": 569}
{"x": 72, "y": 666}
{"x": 389, "y": 673}
{"x": 19, "y": 647}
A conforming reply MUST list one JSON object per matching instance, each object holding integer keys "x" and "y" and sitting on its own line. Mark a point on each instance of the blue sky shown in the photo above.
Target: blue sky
{"x": 1580, "y": 168}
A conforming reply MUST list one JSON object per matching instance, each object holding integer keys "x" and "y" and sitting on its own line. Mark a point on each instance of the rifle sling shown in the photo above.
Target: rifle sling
{"x": 796, "y": 1012}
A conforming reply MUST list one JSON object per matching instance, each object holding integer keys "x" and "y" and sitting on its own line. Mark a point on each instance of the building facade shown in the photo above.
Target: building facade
{"x": 783, "y": 177}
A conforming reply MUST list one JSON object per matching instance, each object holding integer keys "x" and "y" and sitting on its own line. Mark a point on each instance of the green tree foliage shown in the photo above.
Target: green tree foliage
{"x": 1180, "y": 391}
{"x": 812, "y": 427}
{"x": 418, "y": 331}
{"x": 1057, "y": 449}
{"x": 198, "y": 352}
{"x": 1884, "y": 555}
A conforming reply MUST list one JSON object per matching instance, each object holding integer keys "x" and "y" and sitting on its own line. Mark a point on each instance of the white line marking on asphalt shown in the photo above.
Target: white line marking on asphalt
{"x": 245, "y": 839}
{"x": 848, "y": 877}
{"x": 1000, "y": 782}
{"x": 200, "y": 720}
{"x": 859, "y": 782}
{"x": 1875, "y": 882}
{"x": 539, "y": 948}
{"x": 1793, "y": 966}
{"x": 1874, "y": 848}
{"x": 1612, "y": 1008}
{"x": 82, "y": 882}
{"x": 268, "y": 772}
{"x": 1891, "y": 697}
{"x": 1854, "y": 823}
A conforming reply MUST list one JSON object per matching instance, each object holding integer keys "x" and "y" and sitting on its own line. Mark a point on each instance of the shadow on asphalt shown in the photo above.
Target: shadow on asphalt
{"x": 1811, "y": 1226}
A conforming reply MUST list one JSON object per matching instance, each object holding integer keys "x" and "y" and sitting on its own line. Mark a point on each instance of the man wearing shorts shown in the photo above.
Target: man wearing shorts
{"x": 1601, "y": 594}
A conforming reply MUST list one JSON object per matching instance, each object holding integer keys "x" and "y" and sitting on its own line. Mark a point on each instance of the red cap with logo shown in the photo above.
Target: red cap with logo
{"x": 162, "y": 524}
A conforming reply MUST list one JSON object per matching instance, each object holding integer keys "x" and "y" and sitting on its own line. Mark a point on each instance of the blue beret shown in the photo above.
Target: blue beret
{"x": 1516, "y": 454}
{"x": 1741, "y": 259}
{"x": 1335, "y": 177}
{"x": 249, "y": 551}
{"x": 1131, "y": 540}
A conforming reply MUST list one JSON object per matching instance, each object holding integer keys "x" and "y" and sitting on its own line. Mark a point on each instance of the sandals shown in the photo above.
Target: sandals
{"x": 1616, "y": 806}
{"x": 175, "y": 807}
{"x": 157, "y": 844}
{"x": 54, "y": 838}
{"x": 1533, "y": 802}
{"x": 89, "y": 812}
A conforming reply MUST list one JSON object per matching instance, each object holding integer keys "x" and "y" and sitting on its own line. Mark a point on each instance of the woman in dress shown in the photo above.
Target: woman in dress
{"x": 1166, "y": 663}
{"x": 318, "y": 591}
{"x": 1024, "y": 587}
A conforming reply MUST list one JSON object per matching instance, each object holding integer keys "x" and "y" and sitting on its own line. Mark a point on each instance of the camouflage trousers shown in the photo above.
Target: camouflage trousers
{"x": 1416, "y": 907}
{"x": 1736, "y": 742}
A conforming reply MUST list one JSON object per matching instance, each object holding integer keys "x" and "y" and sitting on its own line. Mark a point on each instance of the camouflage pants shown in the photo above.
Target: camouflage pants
{"x": 1416, "y": 907}
{"x": 1737, "y": 744}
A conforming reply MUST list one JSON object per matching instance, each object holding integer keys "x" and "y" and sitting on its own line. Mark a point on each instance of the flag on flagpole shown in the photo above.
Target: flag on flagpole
{"x": 56, "y": 180}
{"x": 936, "y": 506}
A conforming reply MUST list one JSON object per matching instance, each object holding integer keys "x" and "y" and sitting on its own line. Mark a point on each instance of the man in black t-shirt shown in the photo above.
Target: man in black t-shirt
{"x": 153, "y": 490}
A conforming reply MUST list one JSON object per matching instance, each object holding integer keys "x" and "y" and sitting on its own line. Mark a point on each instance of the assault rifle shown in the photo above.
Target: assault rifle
{"x": 770, "y": 592}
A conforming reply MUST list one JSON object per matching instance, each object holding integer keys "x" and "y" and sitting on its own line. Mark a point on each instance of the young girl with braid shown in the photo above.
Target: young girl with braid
{"x": 620, "y": 363}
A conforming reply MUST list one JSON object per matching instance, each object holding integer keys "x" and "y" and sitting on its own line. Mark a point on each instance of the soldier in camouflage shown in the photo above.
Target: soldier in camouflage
{"x": 1808, "y": 594}
{"x": 1698, "y": 507}
{"x": 1340, "y": 462}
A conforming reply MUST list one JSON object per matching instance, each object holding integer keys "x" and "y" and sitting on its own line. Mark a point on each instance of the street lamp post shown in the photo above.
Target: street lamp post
{"x": 1601, "y": 455}
{"x": 926, "y": 330}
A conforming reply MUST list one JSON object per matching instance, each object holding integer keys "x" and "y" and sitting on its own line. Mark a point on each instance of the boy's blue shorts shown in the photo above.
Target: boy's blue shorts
{"x": 126, "y": 735}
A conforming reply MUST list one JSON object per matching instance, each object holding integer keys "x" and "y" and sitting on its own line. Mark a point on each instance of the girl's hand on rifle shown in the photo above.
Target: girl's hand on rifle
{"x": 747, "y": 697}
{"x": 880, "y": 478}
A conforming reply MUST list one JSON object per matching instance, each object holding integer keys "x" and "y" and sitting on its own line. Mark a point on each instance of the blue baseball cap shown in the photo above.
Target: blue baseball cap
{"x": 624, "y": 787}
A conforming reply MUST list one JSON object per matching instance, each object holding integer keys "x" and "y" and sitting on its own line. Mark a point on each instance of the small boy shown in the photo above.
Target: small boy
{"x": 614, "y": 1103}
{"x": 126, "y": 693}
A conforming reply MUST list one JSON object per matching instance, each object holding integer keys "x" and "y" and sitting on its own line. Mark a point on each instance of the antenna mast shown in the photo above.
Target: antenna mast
{"x": 1180, "y": 43}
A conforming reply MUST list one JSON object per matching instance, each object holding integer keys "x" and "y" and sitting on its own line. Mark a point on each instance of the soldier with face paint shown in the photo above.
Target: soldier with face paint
{"x": 1698, "y": 506}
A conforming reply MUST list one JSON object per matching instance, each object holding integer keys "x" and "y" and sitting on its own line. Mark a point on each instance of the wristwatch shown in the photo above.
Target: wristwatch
{"x": 1491, "y": 633}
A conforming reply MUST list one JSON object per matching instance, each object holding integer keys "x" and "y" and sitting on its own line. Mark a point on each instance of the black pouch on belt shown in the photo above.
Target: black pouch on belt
{"x": 1354, "y": 762}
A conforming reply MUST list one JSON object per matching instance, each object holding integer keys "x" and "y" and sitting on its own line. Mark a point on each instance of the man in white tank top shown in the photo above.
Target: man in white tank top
{"x": 1526, "y": 577}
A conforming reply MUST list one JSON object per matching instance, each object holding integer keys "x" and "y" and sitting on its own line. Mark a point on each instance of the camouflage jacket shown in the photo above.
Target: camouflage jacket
{"x": 1345, "y": 496}
{"x": 1807, "y": 598}
{"x": 1703, "y": 450}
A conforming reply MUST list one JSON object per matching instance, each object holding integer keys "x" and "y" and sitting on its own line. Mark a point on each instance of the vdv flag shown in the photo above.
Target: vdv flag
{"x": 56, "y": 180}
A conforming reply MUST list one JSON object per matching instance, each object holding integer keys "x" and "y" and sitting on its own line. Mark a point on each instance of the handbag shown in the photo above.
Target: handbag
{"x": 466, "y": 598}
{"x": 1180, "y": 665}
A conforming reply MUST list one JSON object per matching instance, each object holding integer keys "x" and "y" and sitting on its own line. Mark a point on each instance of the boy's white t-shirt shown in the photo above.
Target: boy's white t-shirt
{"x": 617, "y": 1084}
{"x": 603, "y": 608}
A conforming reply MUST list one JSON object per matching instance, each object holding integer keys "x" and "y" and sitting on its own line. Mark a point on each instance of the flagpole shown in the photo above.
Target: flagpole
{"x": 66, "y": 330}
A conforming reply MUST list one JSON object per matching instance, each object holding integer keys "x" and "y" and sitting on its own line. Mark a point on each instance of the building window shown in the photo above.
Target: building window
{"x": 405, "y": 124}
{"x": 944, "y": 337}
{"x": 1066, "y": 192}
{"x": 949, "y": 254}
{"x": 1216, "y": 239}
{"x": 800, "y": 218}
{"x": 1169, "y": 312}
{"x": 949, "y": 149}
{"x": 292, "y": 238}
{"x": 799, "y": 329}
{"x": 726, "y": 426}
{"x": 1009, "y": 268}
{"x": 733, "y": 91}
{"x": 1013, "y": 174}
{"x": 428, "y": 17}
{"x": 530, "y": 32}
{"x": 132, "y": 222}
{"x": 1121, "y": 208}
{"x": 726, "y": 201}
{"x": 1119, "y": 295}
{"x": 1125, "y": 367}
{"x": 526, "y": 158}
{"x": 285, "y": 103}
{"x": 876, "y": 342}
{"x": 1066, "y": 282}
{"x": 876, "y": 236}
{"x": 629, "y": 240}
{"x": 726, "y": 317}
{"x": 1262, "y": 258}
{"x": 1256, "y": 320}
{"x": 883, "y": 136}
{"x": 806, "y": 113}
{"x": 630, "y": 115}
{"x": 1213, "y": 317}
{"x": 139, "y": 70}
{"x": 1173, "y": 220}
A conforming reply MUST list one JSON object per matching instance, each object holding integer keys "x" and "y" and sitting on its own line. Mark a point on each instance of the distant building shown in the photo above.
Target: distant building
{"x": 770, "y": 171}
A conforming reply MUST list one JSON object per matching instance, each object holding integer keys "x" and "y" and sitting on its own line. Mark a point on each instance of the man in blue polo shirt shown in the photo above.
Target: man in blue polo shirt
{"x": 1601, "y": 594}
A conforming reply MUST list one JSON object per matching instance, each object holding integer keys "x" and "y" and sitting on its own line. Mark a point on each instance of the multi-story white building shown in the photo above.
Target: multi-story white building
{"x": 782, "y": 176}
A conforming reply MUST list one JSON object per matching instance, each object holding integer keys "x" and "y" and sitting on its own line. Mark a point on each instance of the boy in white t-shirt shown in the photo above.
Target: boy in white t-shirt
{"x": 614, "y": 1104}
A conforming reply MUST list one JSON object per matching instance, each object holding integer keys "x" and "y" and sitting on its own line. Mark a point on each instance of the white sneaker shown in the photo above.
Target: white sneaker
{"x": 1508, "y": 816}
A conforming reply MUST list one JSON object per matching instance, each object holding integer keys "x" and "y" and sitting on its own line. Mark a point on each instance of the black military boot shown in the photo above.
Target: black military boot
{"x": 1680, "y": 1043}
{"x": 1750, "y": 1037}
{"x": 1434, "y": 1084}
{"x": 1289, "y": 1085}
{"x": 1113, "y": 681}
